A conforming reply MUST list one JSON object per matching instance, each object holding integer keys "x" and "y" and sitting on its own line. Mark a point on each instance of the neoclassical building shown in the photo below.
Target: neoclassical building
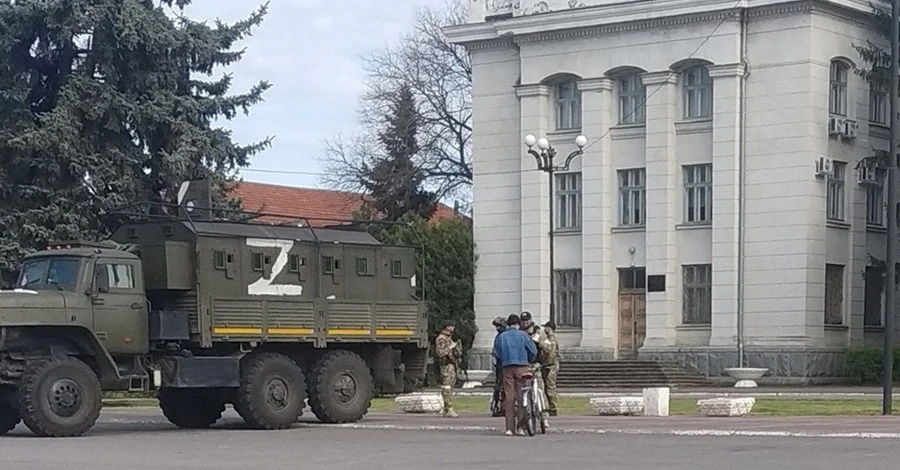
{"x": 719, "y": 182}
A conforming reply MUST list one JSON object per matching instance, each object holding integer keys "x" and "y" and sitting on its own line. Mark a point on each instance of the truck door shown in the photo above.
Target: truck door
{"x": 120, "y": 306}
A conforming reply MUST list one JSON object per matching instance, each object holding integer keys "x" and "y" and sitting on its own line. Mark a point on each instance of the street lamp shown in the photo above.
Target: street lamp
{"x": 544, "y": 157}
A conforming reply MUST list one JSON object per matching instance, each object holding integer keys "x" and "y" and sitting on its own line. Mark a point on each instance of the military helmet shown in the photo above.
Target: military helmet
{"x": 499, "y": 322}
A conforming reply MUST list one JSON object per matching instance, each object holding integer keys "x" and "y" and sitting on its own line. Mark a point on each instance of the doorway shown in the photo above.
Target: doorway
{"x": 632, "y": 311}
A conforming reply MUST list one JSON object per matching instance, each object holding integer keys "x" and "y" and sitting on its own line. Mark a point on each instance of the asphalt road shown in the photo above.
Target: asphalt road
{"x": 141, "y": 439}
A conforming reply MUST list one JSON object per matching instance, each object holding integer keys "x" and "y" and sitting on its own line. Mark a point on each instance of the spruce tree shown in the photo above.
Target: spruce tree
{"x": 108, "y": 102}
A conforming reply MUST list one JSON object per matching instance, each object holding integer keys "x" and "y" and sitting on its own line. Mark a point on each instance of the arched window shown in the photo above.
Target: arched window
{"x": 697, "y": 93}
{"x": 568, "y": 105}
{"x": 632, "y": 99}
{"x": 837, "y": 96}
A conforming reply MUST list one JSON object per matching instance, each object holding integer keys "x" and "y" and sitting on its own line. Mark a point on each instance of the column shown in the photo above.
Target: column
{"x": 534, "y": 103}
{"x": 598, "y": 280}
{"x": 662, "y": 214}
{"x": 726, "y": 202}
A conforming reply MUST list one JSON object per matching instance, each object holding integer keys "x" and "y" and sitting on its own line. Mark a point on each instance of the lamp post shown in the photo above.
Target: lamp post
{"x": 544, "y": 156}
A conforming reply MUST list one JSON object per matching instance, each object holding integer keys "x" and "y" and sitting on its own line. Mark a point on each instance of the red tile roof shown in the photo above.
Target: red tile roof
{"x": 319, "y": 206}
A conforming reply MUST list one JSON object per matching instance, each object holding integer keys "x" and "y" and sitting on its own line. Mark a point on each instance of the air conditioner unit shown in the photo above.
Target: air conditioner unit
{"x": 850, "y": 129}
{"x": 824, "y": 167}
{"x": 835, "y": 126}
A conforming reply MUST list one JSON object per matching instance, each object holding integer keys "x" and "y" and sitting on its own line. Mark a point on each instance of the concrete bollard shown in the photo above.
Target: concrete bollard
{"x": 656, "y": 401}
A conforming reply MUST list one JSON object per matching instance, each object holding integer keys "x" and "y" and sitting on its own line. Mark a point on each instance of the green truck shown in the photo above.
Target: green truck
{"x": 209, "y": 313}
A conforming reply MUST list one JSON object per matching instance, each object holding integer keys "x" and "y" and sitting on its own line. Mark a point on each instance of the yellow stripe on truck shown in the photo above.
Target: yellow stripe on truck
{"x": 291, "y": 331}
{"x": 387, "y": 332}
{"x": 349, "y": 332}
{"x": 222, "y": 330}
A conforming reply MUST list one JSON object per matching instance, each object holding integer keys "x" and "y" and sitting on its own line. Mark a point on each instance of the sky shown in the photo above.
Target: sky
{"x": 310, "y": 51}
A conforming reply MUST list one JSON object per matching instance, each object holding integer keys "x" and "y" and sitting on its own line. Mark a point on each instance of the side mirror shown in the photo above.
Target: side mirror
{"x": 101, "y": 281}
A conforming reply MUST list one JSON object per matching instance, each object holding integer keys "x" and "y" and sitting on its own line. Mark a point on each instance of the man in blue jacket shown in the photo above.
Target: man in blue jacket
{"x": 514, "y": 351}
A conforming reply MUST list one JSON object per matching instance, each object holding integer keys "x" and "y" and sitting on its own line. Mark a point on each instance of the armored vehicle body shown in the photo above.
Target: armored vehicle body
{"x": 210, "y": 313}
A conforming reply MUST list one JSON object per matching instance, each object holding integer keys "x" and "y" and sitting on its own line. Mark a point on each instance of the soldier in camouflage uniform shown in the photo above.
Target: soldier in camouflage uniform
{"x": 551, "y": 368}
{"x": 537, "y": 334}
{"x": 449, "y": 353}
{"x": 499, "y": 324}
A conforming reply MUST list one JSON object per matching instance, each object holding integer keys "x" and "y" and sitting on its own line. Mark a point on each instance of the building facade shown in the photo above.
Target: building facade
{"x": 720, "y": 178}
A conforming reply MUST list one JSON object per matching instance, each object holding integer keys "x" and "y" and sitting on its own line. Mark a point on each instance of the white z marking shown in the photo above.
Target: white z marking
{"x": 265, "y": 286}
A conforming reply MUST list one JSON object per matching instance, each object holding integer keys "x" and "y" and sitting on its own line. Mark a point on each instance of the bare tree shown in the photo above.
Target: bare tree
{"x": 440, "y": 76}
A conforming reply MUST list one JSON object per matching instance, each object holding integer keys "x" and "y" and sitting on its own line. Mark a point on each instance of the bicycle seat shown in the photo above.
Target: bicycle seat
{"x": 527, "y": 375}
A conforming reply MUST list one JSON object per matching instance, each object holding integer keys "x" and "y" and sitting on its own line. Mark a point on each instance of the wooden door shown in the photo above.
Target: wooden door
{"x": 632, "y": 311}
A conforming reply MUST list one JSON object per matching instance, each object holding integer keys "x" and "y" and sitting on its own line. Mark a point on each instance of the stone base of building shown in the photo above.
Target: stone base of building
{"x": 787, "y": 366}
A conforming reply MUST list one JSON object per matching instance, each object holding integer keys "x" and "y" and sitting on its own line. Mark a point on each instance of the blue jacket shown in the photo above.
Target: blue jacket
{"x": 513, "y": 347}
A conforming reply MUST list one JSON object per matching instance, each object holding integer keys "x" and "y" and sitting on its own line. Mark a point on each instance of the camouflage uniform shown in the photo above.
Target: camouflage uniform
{"x": 536, "y": 332}
{"x": 449, "y": 354}
{"x": 551, "y": 369}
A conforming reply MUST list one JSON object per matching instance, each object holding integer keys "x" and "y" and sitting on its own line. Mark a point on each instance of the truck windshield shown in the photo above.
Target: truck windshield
{"x": 49, "y": 274}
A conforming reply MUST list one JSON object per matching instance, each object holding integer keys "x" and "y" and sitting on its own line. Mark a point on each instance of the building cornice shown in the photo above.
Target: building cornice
{"x": 596, "y": 84}
{"x": 660, "y": 78}
{"x": 640, "y": 15}
{"x": 726, "y": 70}
{"x": 535, "y": 89}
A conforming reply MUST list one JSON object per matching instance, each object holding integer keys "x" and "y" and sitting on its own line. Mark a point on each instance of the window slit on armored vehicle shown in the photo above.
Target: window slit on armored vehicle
{"x": 362, "y": 266}
{"x": 219, "y": 259}
{"x": 327, "y": 265}
{"x": 396, "y": 268}
{"x": 258, "y": 262}
{"x": 296, "y": 262}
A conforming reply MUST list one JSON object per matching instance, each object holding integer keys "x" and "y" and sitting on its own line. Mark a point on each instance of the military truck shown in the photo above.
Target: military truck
{"x": 210, "y": 313}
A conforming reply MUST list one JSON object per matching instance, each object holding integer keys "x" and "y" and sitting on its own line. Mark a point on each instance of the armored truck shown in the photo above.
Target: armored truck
{"x": 210, "y": 313}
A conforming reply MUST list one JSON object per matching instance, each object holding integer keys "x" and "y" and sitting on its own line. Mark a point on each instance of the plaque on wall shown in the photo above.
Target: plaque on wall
{"x": 656, "y": 283}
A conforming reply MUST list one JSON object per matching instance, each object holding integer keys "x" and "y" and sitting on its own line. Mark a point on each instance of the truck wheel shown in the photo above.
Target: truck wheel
{"x": 191, "y": 408}
{"x": 9, "y": 418}
{"x": 340, "y": 387}
{"x": 59, "y": 397}
{"x": 272, "y": 391}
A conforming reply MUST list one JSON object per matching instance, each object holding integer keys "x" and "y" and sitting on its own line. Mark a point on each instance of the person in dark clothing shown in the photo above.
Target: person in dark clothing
{"x": 499, "y": 324}
{"x": 514, "y": 351}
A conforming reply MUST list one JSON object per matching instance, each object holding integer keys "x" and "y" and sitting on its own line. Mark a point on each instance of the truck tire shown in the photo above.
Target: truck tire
{"x": 59, "y": 397}
{"x": 191, "y": 408}
{"x": 9, "y": 418}
{"x": 340, "y": 387}
{"x": 272, "y": 391}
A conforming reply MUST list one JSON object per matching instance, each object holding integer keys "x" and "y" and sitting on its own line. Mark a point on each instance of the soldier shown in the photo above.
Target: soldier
{"x": 551, "y": 368}
{"x": 449, "y": 353}
{"x": 499, "y": 324}
{"x": 537, "y": 334}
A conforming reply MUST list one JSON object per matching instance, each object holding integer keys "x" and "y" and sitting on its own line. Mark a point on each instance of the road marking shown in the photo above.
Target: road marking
{"x": 639, "y": 432}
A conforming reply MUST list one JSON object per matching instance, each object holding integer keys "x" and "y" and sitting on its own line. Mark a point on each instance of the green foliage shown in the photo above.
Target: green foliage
{"x": 103, "y": 103}
{"x": 866, "y": 365}
{"x": 447, "y": 265}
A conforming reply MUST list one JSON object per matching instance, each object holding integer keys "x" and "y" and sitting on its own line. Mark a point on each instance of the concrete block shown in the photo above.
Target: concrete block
{"x": 726, "y": 407}
{"x": 420, "y": 403}
{"x": 656, "y": 401}
{"x": 618, "y": 406}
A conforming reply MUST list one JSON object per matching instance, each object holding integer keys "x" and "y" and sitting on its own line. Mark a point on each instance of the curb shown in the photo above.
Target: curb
{"x": 635, "y": 432}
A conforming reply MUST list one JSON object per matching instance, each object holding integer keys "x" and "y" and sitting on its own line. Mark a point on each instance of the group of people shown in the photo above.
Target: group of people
{"x": 521, "y": 346}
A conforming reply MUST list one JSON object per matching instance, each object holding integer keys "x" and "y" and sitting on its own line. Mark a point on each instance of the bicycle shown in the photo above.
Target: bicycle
{"x": 532, "y": 401}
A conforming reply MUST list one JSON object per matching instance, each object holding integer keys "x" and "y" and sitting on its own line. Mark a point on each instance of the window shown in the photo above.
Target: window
{"x": 879, "y": 105}
{"x": 295, "y": 262}
{"x": 257, "y": 262}
{"x": 396, "y": 268}
{"x": 120, "y": 276}
{"x": 362, "y": 266}
{"x": 327, "y": 265}
{"x": 568, "y": 106}
{"x": 568, "y": 297}
{"x": 697, "y": 93}
{"x": 874, "y": 287}
{"x": 632, "y": 98}
{"x": 698, "y": 201}
{"x": 834, "y": 294}
{"x": 632, "y": 279}
{"x": 835, "y": 197}
{"x": 50, "y": 274}
{"x": 219, "y": 259}
{"x": 875, "y": 200}
{"x": 568, "y": 201}
{"x": 632, "y": 197}
{"x": 697, "y": 301}
{"x": 837, "y": 96}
